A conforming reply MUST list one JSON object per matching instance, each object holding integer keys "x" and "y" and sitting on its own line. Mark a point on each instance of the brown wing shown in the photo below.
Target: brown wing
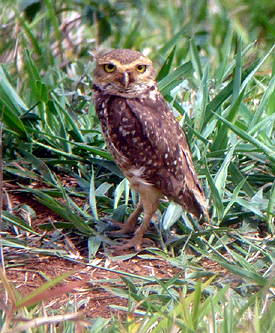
{"x": 174, "y": 173}
{"x": 143, "y": 133}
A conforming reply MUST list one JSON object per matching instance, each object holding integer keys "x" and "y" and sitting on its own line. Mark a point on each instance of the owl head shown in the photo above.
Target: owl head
{"x": 125, "y": 73}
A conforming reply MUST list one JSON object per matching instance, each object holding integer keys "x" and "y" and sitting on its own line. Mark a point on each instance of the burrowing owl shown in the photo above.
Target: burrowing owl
{"x": 144, "y": 137}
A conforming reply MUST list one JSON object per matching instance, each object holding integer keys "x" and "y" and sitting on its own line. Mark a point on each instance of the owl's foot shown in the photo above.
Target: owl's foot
{"x": 124, "y": 228}
{"x": 117, "y": 224}
{"x": 137, "y": 242}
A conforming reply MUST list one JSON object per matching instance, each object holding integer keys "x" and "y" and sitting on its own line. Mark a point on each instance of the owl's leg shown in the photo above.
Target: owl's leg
{"x": 149, "y": 211}
{"x": 149, "y": 202}
{"x": 130, "y": 224}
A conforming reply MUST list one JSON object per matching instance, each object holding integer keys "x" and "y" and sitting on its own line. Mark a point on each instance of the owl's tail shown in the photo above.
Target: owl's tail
{"x": 194, "y": 201}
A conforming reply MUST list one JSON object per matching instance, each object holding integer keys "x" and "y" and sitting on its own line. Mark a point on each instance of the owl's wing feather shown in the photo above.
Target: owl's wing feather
{"x": 171, "y": 163}
{"x": 143, "y": 134}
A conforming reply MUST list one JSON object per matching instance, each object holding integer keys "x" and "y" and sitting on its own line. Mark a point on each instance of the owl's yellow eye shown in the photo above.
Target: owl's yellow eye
{"x": 109, "y": 68}
{"x": 141, "y": 68}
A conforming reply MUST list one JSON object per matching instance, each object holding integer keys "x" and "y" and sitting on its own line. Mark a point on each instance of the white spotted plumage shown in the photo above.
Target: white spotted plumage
{"x": 144, "y": 137}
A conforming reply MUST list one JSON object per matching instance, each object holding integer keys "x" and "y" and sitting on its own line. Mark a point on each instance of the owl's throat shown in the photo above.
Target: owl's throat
{"x": 115, "y": 90}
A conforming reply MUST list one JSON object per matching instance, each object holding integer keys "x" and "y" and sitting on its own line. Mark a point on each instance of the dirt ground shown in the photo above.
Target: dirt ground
{"x": 28, "y": 271}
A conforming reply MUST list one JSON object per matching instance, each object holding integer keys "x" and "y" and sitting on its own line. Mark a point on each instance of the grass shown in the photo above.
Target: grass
{"x": 221, "y": 85}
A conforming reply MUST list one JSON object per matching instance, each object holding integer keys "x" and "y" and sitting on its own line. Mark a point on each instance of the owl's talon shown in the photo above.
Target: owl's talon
{"x": 137, "y": 243}
{"x": 122, "y": 230}
{"x": 115, "y": 233}
{"x": 117, "y": 224}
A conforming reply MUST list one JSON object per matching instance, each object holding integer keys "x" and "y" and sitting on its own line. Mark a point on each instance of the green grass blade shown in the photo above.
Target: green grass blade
{"x": 92, "y": 195}
{"x": 61, "y": 209}
{"x": 195, "y": 58}
{"x": 39, "y": 165}
{"x": 222, "y": 137}
{"x": 203, "y": 96}
{"x": 216, "y": 196}
{"x": 226, "y": 92}
{"x": 255, "y": 277}
{"x": 270, "y": 108}
{"x": 11, "y": 97}
{"x": 234, "y": 195}
{"x": 172, "y": 42}
{"x": 220, "y": 73}
{"x": 29, "y": 33}
{"x": 269, "y": 92}
{"x": 18, "y": 222}
{"x": 166, "y": 67}
{"x": 171, "y": 80}
{"x": 270, "y": 209}
{"x": 254, "y": 68}
{"x": 238, "y": 178}
{"x": 221, "y": 176}
{"x": 237, "y": 74}
{"x": 122, "y": 187}
{"x": 171, "y": 215}
{"x": 262, "y": 147}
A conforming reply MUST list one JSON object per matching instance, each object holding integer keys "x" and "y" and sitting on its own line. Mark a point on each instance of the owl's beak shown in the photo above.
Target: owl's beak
{"x": 124, "y": 80}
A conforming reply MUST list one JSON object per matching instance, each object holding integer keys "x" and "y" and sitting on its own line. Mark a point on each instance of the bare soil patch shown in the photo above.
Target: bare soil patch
{"x": 29, "y": 271}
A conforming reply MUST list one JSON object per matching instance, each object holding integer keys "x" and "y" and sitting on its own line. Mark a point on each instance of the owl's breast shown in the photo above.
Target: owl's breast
{"x": 146, "y": 142}
{"x": 123, "y": 132}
